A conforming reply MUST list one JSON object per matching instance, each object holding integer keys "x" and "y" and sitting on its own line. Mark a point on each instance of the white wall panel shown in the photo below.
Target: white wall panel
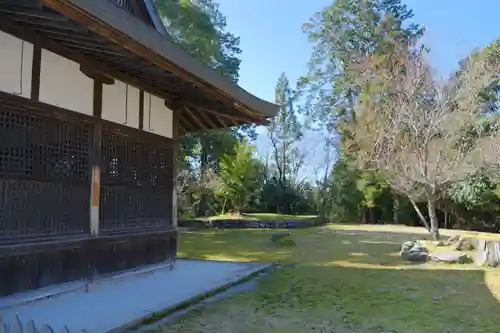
{"x": 63, "y": 84}
{"x": 120, "y": 104}
{"x": 16, "y": 59}
{"x": 157, "y": 117}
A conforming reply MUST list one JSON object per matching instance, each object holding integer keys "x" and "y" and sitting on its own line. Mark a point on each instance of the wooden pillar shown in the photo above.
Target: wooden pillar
{"x": 96, "y": 151}
{"x": 176, "y": 137}
{"x": 141, "y": 109}
{"x": 35, "y": 72}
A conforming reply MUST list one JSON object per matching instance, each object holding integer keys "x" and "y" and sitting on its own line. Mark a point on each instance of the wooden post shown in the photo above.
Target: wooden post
{"x": 35, "y": 72}
{"x": 141, "y": 109}
{"x": 175, "y": 152}
{"x": 95, "y": 190}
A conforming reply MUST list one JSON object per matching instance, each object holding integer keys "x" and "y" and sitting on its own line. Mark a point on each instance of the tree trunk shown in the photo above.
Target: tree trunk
{"x": 431, "y": 207}
{"x": 363, "y": 221}
{"x": 396, "y": 210}
{"x": 202, "y": 207}
{"x": 371, "y": 212}
{"x": 224, "y": 206}
{"x": 420, "y": 215}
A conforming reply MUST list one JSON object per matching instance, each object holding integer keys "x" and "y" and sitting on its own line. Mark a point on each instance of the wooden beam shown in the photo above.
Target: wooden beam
{"x": 74, "y": 12}
{"x": 174, "y": 104}
{"x": 87, "y": 47}
{"x": 35, "y": 72}
{"x": 185, "y": 125}
{"x": 196, "y": 105}
{"x": 141, "y": 109}
{"x": 139, "y": 12}
{"x": 26, "y": 3}
{"x": 37, "y": 38}
{"x": 200, "y": 114}
{"x": 41, "y": 24}
{"x": 93, "y": 74}
{"x": 190, "y": 114}
{"x": 67, "y": 52}
{"x": 35, "y": 13}
{"x": 217, "y": 112}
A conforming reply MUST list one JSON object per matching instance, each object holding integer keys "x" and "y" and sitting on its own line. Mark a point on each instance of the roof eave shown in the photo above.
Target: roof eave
{"x": 154, "y": 44}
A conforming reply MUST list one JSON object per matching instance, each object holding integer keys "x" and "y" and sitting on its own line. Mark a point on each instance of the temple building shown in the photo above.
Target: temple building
{"x": 93, "y": 98}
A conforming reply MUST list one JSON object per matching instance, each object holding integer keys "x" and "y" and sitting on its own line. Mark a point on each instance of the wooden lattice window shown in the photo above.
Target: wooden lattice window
{"x": 44, "y": 175}
{"x": 136, "y": 183}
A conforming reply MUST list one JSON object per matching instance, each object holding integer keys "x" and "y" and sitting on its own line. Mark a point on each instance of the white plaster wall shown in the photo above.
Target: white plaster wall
{"x": 120, "y": 104}
{"x": 63, "y": 84}
{"x": 16, "y": 59}
{"x": 157, "y": 117}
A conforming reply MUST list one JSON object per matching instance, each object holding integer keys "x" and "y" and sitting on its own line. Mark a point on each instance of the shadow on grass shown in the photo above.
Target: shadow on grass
{"x": 343, "y": 281}
{"x": 313, "y": 245}
{"x": 346, "y": 300}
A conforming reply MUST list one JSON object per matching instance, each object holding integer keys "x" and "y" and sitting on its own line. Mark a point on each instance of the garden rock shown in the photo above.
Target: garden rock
{"x": 488, "y": 253}
{"x": 466, "y": 244}
{"x": 453, "y": 240}
{"x": 451, "y": 257}
{"x": 481, "y": 253}
{"x": 493, "y": 253}
{"x": 407, "y": 246}
{"x": 412, "y": 251}
{"x": 419, "y": 248}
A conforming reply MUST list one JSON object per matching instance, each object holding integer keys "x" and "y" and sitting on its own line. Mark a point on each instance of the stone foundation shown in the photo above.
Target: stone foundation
{"x": 35, "y": 265}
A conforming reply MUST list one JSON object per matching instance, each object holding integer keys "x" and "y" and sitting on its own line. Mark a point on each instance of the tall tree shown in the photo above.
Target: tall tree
{"x": 199, "y": 27}
{"x": 284, "y": 133}
{"x": 343, "y": 31}
{"x": 421, "y": 133}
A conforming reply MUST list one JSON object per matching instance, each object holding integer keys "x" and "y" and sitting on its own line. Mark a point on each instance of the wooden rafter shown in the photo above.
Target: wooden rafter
{"x": 77, "y": 40}
{"x": 181, "y": 65}
{"x": 195, "y": 119}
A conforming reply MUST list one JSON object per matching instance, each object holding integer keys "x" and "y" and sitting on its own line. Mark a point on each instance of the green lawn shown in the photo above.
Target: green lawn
{"x": 260, "y": 216}
{"x": 346, "y": 279}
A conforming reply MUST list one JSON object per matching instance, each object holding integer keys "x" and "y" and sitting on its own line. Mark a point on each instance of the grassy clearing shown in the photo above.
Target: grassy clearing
{"x": 260, "y": 216}
{"x": 347, "y": 278}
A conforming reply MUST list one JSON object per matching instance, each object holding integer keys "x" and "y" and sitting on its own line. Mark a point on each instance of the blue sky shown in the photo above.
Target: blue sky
{"x": 272, "y": 40}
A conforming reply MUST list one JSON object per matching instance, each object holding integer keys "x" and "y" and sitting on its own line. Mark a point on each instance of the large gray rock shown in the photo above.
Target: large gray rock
{"x": 417, "y": 256}
{"x": 419, "y": 248}
{"x": 492, "y": 253}
{"x": 481, "y": 253}
{"x": 412, "y": 251}
{"x": 488, "y": 253}
{"x": 407, "y": 246}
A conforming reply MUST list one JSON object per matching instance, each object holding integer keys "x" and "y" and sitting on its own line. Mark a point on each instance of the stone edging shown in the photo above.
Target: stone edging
{"x": 248, "y": 224}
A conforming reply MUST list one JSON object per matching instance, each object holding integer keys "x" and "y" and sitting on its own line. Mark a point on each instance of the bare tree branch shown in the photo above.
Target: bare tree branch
{"x": 419, "y": 131}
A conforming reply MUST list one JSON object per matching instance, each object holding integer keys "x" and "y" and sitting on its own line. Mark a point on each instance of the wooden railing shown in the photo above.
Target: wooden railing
{"x": 17, "y": 326}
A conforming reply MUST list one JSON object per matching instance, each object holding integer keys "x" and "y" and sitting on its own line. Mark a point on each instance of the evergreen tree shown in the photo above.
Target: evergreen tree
{"x": 284, "y": 132}
{"x": 199, "y": 27}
